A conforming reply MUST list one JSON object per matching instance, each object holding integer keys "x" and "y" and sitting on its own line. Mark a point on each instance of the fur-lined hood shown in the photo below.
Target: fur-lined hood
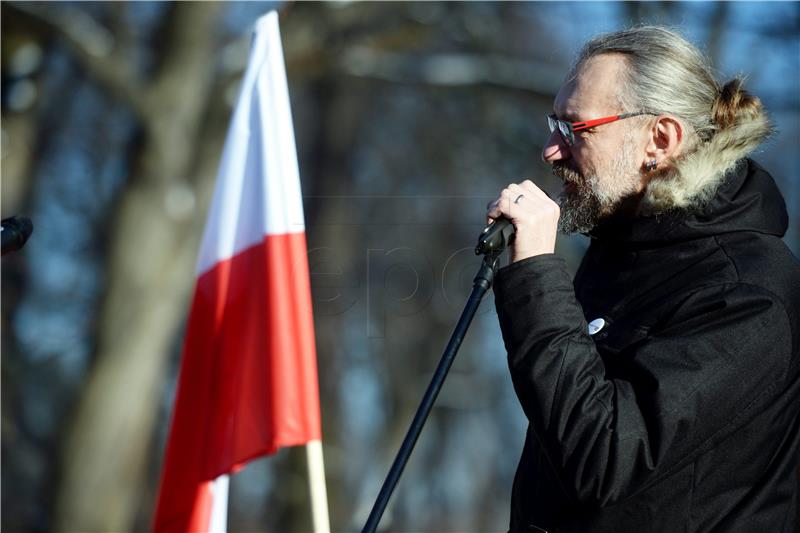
{"x": 695, "y": 177}
{"x": 746, "y": 200}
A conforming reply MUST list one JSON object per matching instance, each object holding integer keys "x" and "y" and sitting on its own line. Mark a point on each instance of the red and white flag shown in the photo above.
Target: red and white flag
{"x": 248, "y": 378}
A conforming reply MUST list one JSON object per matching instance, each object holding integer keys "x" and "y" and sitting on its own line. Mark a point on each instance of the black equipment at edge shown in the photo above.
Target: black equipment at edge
{"x": 491, "y": 243}
{"x": 15, "y": 233}
{"x": 496, "y": 235}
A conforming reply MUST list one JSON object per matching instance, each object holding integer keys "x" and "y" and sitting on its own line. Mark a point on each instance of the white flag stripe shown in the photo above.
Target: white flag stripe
{"x": 260, "y": 143}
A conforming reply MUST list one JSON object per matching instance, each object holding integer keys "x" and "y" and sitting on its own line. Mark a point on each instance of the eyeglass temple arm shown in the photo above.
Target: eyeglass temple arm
{"x": 577, "y": 126}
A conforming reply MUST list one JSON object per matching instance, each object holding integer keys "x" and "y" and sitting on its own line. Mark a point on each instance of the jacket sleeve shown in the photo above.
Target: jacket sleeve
{"x": 722, "y": 353}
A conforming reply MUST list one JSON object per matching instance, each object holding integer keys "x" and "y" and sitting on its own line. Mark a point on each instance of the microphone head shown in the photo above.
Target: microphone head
{"x": 495, "y": 237}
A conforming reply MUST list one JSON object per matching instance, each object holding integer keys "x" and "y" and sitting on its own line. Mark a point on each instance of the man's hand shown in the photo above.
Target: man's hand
{"x": 534, "y": 215}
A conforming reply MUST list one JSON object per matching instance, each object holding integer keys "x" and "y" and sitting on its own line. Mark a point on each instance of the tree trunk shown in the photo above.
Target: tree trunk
{"x": 152, "y": 254}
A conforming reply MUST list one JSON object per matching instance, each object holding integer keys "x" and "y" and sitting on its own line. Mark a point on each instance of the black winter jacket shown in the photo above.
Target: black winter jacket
{"x": 682, "y": 413}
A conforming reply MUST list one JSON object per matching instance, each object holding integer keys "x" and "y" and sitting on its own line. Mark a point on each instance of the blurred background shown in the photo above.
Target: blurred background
{"x": 409, "y": 118}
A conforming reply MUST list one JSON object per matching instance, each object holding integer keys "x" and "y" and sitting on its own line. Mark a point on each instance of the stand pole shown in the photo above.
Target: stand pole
{"x": 481, "y": 284}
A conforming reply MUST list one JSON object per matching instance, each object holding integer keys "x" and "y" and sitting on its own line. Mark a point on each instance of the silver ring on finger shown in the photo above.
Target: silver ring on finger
{"x": 520, "y": 197}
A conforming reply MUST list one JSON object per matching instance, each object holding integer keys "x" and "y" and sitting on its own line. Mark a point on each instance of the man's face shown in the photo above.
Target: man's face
{"x": 602, "y": 168}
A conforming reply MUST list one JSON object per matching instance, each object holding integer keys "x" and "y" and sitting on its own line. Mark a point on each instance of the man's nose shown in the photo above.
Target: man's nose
{"x": 555, "y": 148}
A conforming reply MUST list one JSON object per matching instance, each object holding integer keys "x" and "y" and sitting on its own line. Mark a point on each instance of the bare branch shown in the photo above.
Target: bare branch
{"x": 123, "y": 30}
{"x": 92, "y": 45}
{"x": 452, "y": 70}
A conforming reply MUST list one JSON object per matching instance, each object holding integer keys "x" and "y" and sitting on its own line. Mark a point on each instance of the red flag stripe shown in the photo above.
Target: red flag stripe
{"x": 248, "y": 382}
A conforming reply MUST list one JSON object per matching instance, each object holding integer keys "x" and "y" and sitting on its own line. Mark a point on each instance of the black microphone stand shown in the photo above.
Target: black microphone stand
{"x": 491, "y": 243}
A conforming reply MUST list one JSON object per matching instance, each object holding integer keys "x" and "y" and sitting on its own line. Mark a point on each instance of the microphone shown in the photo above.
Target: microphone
{"x": 14, "y": 233}
{"x": 495, "y": 237}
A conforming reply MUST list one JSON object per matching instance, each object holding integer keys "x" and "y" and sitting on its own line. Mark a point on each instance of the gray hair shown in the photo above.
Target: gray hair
{"x": 668, "y": 75}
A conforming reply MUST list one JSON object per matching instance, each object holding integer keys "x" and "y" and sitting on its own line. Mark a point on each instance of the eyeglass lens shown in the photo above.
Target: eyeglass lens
{"x": 563, "y": 128}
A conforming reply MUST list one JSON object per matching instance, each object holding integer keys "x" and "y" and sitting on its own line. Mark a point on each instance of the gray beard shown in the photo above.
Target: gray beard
{"x": 581, "y": 208}
{"x": 588, "y": 203}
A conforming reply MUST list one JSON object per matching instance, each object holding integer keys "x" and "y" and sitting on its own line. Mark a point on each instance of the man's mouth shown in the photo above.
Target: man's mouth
{"x": 569, "y": 176}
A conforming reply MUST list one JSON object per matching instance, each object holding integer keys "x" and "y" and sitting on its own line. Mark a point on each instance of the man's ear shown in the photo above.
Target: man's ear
{"x": 665, "y": 141}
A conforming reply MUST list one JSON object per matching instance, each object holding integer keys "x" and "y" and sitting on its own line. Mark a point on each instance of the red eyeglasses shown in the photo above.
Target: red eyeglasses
{"x": 568, "y": 129}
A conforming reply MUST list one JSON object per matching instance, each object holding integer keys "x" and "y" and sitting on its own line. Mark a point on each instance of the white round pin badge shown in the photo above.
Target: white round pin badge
{"x": 596, "y": 325}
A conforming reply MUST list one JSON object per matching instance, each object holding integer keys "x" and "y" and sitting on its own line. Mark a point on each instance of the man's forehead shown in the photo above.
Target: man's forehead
{"x": 593, "y": 91}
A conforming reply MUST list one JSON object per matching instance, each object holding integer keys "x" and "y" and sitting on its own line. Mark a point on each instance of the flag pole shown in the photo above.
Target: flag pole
{"x": 316, "y": 487}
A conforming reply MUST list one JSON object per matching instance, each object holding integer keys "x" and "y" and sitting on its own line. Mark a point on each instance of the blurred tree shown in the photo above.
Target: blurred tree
{"x": 151, "y": 248}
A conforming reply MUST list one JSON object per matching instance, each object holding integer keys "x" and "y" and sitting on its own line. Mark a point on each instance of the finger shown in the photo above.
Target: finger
{"x": 505, "y": 199}
{"x": 544, "y": 193}
{"x": 492, "y": 208}
{"x": 531, "y": 187}
{"x": 508, "y": 204}
{"x": 501, "y": 206}
{"x": 516, "y": 189}
{"x": 518, "y": 194}
{"x": 512, "y": 192}
{"x": 496, "y": 211}
{"x": 532, "y": 190}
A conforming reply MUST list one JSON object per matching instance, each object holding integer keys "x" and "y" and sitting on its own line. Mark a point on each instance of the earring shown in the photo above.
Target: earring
{"x": 650, "y": 165}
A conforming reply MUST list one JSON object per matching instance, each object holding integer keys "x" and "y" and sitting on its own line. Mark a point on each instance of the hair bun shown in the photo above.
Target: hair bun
{"x": 734, "y": 103}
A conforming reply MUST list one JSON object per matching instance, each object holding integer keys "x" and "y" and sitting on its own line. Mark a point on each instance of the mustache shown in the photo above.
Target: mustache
{"x": 564, "y": 172}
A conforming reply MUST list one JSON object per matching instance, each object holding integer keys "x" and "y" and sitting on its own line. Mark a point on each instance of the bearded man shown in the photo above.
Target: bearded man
{"x": 662, "y": 386}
